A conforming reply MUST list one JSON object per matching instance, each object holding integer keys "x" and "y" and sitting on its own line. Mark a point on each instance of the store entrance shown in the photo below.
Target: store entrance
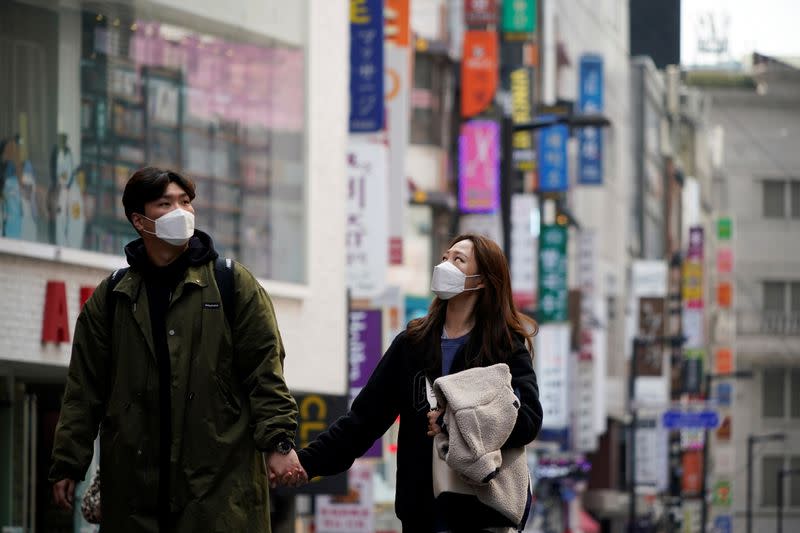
{"x": 37, "y": 413}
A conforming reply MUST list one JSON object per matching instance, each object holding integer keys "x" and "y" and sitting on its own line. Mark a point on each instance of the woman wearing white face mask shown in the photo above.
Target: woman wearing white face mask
{"x": 472, "y": 323}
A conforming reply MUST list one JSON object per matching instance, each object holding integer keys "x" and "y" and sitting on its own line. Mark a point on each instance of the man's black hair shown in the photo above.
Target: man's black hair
{"x": 148, "y": 184}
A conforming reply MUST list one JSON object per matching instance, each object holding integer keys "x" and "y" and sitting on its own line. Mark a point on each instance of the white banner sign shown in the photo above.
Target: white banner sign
{"x": 552, "y": 369}
{"x": 650, "y": 279}
{"x": 398, "y": 107}
{"x": 355, "y": 513}
{"x": 651, "y": 454}
{"x": 366, "y": 227}
{"x": 524, "y": 216}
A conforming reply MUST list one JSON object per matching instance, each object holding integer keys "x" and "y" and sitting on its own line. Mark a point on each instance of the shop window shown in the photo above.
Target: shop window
{"x": 226, "y": 112}
{"x": 770, "y": 465}
{"x": 773, "y": 394}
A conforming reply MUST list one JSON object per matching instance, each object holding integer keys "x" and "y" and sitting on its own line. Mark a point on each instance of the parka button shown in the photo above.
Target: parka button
{"x": 172, "y": 332}
{"x": 191, "y": 395}
{"x": 139, "y": 452}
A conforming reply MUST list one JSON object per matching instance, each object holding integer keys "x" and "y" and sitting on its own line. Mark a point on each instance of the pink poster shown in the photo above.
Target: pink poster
{"x": 479, "y": 167}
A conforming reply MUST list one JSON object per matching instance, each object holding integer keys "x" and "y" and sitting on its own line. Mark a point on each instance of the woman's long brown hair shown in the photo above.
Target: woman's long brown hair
{"x": 496, "y": 317}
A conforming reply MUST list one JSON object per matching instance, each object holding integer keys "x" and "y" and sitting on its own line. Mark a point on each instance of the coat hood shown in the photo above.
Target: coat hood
{"x": 200, "y": 251}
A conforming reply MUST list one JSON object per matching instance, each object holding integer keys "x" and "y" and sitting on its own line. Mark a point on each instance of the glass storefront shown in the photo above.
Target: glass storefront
{"x": 88, "y": 97}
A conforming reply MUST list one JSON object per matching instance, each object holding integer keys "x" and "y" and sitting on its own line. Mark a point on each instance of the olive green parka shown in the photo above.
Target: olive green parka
{"x": 229, "y": 403}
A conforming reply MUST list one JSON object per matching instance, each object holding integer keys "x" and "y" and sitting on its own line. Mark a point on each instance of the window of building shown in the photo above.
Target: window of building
{"x": 770, "y": 466}
{"x": 794, "y": 299}
{"x": 773, "y": 393}
{"x": 775, "y": 296}
{"x": 794, "y": 482}
{"x": 427, "y": 113}
{"x": 780, "y": 393}
{"x": 774, "y": 199}
{"x": 223, "y": 109}
{"x": 781, "y": 198}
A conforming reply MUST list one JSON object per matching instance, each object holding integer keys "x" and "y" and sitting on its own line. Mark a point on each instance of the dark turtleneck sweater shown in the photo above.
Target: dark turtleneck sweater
{"x": 160, "y": 283}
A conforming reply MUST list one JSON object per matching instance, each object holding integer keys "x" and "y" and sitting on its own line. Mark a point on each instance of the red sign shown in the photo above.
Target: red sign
{"x": 478, "y": 71}
{"x": 480, "y": 13}
{"x": 55, "y": 323}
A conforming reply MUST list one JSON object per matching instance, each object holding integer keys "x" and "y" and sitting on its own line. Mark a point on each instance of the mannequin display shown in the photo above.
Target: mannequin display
{"x": 61, "y": 167}
{"x": 76, "y": 218}
{"x": 12, "y": 197}
{"x": 27, "y": 183}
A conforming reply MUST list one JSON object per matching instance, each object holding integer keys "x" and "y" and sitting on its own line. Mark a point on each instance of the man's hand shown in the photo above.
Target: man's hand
{"x": 64, "y": 493}
{"x": 285, "y": 470}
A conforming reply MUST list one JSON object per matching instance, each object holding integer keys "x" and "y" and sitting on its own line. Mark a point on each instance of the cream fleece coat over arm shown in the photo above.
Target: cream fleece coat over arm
{"x": 480, "y": 410}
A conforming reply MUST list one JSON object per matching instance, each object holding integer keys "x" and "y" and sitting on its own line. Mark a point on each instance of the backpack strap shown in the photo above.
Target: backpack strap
{"x": 113, "y": 280}
{"x": 223, "y": 274}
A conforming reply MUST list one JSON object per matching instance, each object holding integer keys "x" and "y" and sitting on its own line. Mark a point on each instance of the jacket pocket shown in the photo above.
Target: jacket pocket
{"x": 231, "y": 406}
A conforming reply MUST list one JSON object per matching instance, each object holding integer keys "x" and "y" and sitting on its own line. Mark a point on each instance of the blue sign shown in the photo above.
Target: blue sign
{"x": 553, "y": 158}
{"x": 690, "y": 420}
{"x": 724, "y": 393}
{"x": 723, "y": 524}
{"x": 366, "y": 66}
{"x": 590, "y": 138}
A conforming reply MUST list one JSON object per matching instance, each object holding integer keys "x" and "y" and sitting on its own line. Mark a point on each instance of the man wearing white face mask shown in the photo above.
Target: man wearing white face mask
{"x": 188, "y": 385}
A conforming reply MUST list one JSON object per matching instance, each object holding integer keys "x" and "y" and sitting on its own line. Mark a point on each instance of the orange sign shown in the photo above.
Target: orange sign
{"x": 723, "y": 361}
{"x": 724, "y": 294}
{"x": 724, "y": 430}
{"x": 478, "y": 71}
{"x": 397, "y": 27}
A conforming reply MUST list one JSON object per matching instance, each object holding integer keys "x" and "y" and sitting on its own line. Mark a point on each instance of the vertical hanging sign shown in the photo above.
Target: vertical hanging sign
{"x": 590, "y": 138}
{"x": 397, "y": 81}
{"x": 366, "y": 65}
{"x": 479, "y": 167}
{"x": 553, "y": 274}
{"x": 523, "y": 153}
{"x": 478, "y": 71}
{"x": 553, "y": 158}
{"x": 519, "y": 16}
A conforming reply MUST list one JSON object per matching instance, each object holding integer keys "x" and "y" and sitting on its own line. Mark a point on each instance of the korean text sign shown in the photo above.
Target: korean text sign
{"x": 590, "y": 138}
{"x": 553, "y": 274}
{"x": 479, "y": 167}
{"x": 366, "y": 65}
{"x": 553, "y": 158}
{"x": 365, "y": 337}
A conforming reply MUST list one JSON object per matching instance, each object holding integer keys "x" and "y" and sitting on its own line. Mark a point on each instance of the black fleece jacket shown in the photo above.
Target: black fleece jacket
{"x": 160, "y": 283}
{"x": 397, "y": 387}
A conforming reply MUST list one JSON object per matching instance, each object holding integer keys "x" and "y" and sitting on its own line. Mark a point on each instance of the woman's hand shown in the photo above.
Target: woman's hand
{"x": 433, "y": 426}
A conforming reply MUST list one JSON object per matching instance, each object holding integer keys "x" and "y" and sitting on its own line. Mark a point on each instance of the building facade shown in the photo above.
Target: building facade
{"x": 760, "y": 191}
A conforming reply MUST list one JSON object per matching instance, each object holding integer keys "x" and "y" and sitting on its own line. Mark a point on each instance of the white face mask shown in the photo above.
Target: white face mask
{"x": 449, "y": 281}
{"x": 175, "y": 228}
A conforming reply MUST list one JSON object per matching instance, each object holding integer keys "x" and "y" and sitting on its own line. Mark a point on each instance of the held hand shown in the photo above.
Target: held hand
{"x": 64, "y": 493}
{"x": 285, "y": 470}
{"x": 433, "y": 427}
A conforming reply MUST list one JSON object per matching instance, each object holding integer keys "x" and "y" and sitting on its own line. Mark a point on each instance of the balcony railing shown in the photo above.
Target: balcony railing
{"x": 767, "y": 323}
